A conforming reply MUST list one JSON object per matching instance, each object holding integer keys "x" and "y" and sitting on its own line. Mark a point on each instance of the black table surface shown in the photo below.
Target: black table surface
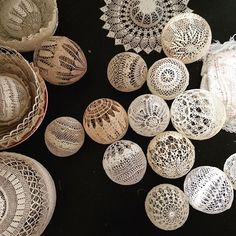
{"x": 88, "y": 202}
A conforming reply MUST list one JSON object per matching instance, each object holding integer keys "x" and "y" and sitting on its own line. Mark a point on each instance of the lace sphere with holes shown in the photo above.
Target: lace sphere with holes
{"x": 124, "y": 162}
{"x": 171, "y": 155}
{"x": 198, "y": 114}
{"x": 209, "y": 190}
{"x": 186, "y": 37}
{"x": 168, "y": 78}
{"x": 148, "y": 115}
{"x": 167, "y": 207}
{"x": 230, "y": 169}
{"x": 127, "y": 72}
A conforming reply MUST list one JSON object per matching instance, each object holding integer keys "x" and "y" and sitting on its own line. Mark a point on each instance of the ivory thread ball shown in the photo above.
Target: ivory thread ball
{"x": 230, "y": 169}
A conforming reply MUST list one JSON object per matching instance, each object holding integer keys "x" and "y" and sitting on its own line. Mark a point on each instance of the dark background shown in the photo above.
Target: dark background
{"x": 88, "y": 203}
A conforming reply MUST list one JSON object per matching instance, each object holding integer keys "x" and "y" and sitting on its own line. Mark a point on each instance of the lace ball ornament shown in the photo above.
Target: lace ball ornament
{"x": 124, "y": 162}
{"x": 27, "y": 196}
{"x": 230, "y": 169}
{"x": 167, "y": 207}
{"x": 137, "y": 24}
{"x": 209, "y": 190}
{"x": 168, "y": 78}
{"x": 171, "y": 155}
{"x": 105, "y": 121}
{"x": 64, "y": 136}
{"x": 60, "y": 61}
{"x": 198, "y": 114}
{"x": 186, "y": 37}
{"x": 148, "y": 115}
{"x": 127, "y": 72}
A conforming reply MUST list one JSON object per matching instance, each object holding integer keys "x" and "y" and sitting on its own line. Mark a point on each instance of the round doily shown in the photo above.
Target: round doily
{"x": 230, "y": 169}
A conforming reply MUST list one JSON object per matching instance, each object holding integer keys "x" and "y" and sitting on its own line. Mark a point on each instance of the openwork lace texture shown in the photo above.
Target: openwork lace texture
{"x": 64, "y": 136}
{"x": 148, "y": 115}
{"x": 198, "y": 114}
{"x": 218, "y": 77}
{"x": 124, "y": 162}
{"x": 127, "y": 72}
{"x": 137, "y": 24}
{"x": 27, "y": 196}
{"x": 186, "y": 37}
{"x": 171, "y": 155}
{"x": 168, "y": 78}
{"x": 167, "y": 207}
{"x": 209, "y": 190}
{"x": 24, "y": 24}
{"x": 105, "y": 121}
{"x": 13, "y": 65}
{"x": 230, "y": 169}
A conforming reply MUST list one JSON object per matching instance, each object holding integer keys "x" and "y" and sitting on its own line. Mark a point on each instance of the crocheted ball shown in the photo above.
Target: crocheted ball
{"x": 171, "y": 155}
{"x": 168, "y": 78}
{"x": 124, "y": 162}
{"x": 167, "y": 207}
{"x": 148, "y": 115}
{"x": 198, "y": 114}
{"x": 64, "y": 136}
{"x": 209, "y": 190}
{"x": 230, "y": 169}
{"x": 127, "y": 72}
{"x": 105, "y": 121}
{"x": 60, "y": 61}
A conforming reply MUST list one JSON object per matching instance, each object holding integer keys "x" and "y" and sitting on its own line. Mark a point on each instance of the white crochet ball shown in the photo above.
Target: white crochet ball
{"x": 230, "y": 169}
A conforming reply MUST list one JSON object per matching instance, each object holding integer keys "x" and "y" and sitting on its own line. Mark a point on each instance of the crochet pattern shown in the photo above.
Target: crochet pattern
{"x": 230, "y": 169}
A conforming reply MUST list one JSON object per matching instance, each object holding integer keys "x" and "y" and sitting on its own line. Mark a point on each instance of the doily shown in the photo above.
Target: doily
{"x": 168, "y": 78}
{"x": 230, "y": 169}
{"x": 167, "y": 207}
{"x": 198, "y": 114}
{"x": 209, "y": 190}
{"x": 137, "y": 24}
{"x": 171, "y": 155}
{"x": 124, "y": 162}
{"x": 186, "y": 37}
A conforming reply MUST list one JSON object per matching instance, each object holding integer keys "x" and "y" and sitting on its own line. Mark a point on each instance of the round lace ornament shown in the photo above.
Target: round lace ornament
{"x": 198, "y": 114}
{"x": 124, "y": 162}
{"x": 127, "y": 72}
{"x": 105, "y": 121}
{"x": 148, "y": 115}
{"x": 60, "y": 61}
{"x": 230, "y": 169}
{"x": 167, "y": 207}
{"x": 168, "y": 78}
{"x": 64, "y": 136}
{"x": 171, "y": 155}
{"x": 27, "y": 196}
{"x": 186, "y": 37}
{"x": 137, "y": 24}
{"x": 209, "y": 190}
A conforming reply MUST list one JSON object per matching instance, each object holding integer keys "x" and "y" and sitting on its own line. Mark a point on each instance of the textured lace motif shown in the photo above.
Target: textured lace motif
{"x": 230, "y": 169}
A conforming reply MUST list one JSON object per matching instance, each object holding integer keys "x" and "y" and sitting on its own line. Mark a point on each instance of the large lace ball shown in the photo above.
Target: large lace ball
{"x": 230, "y": 169}
{"x": 209, "y": 190}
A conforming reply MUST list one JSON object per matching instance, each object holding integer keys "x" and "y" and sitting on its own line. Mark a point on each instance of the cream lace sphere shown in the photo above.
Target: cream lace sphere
{"x": 124, "y": 162}
{"x": 167, "y": 207}
{"x": 209, "y": 190}
{"x": 168, "y": 78}
{"x": 127, "y": 72}
{"x": 64, "y": 136}
{"x": 186, "y": 37}
{"x": 198, "y": 114}
{"x": 230, "y": 169}
{"x": 171, "y": 155}
{"x": 148, "y": 115}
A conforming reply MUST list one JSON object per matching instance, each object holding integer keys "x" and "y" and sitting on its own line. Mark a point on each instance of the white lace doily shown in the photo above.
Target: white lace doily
{"x": 137, "y": 24}
{"x": 230, "y": 169}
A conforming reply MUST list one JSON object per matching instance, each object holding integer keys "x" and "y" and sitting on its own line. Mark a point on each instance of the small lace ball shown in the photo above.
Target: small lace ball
{"x": 127, "y": 72}
{"x": 171, "y": 155}
{"x": 124, "y": 162}
{"x": 105, "y": 121}
{"x": 186, "y": 37}
{"x": 60, "y": 61}
{"x": 168, "y": 78}
{"x": 148, "y": 115}
{"x": 198, "y": 114}
{"x": 64, "y": 136}
{"x": 167, "y": 207}
{"x": 209, "y": 190}
{"x": 230, "y": 169}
